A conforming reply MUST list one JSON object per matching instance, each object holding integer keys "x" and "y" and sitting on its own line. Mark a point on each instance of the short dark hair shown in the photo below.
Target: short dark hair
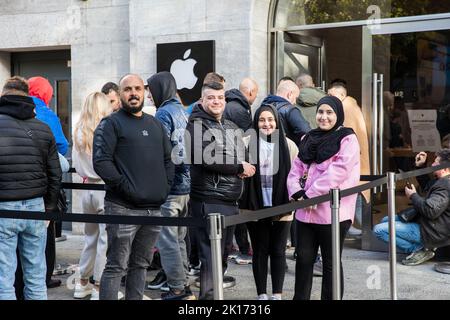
{"x": 286, "y": 78}
{"x": 110, "y": 86}
{"x": 213, "y": 77}
{"x": 212, "y": 85}
{"x": 338, "y": 83}
{"x": 444, "y": 154}
{"x": 17, "y": 84}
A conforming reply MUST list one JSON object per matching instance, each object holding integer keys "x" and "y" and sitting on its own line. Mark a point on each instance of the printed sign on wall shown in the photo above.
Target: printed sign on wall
{"x": 189, "y": 62}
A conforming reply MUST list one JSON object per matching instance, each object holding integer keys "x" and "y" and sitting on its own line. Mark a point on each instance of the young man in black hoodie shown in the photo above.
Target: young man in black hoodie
{"x": 29, "y": 181}
{"x": 217, "y": 171}
{"x": 132, "y": 154}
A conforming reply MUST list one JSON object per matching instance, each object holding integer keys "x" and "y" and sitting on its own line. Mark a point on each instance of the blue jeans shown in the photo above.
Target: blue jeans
{"x": 407, "y": 234}
{"x": 29, "y": 237}
{"x": 171, "y": 244}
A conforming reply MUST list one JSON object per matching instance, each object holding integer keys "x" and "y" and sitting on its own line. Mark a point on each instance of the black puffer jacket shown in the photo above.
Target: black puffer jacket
{"x": 25, "y": 171}
{"x": 238, "y": 109}
{"x": 434, "y": 214}
{"x": 213, "y": 179}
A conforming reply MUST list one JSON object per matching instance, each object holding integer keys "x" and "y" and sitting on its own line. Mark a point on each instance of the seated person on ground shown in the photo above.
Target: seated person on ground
{"x": 430, "y": 227}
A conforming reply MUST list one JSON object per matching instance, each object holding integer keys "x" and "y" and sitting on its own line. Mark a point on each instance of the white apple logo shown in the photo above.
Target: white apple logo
{"x": 183, "y": 71}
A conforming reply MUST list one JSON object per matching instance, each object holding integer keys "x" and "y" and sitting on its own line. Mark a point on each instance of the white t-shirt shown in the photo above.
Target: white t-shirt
{"x": 266, "y": 150}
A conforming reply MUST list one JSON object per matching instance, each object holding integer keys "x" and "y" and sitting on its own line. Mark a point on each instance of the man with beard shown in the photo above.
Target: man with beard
{"x": 132, "y": 155}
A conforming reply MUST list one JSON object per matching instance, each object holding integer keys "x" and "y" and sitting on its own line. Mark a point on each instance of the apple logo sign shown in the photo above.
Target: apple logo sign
{"x": 189, "y": 62}
{"x": 183, "y": 71}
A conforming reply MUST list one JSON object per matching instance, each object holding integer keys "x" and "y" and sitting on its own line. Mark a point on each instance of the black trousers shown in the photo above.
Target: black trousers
{"x": 50, "y": 256}
{"x": 309, "y": 238}
{"x": 201, "y": 210}
{"x": 241, "y": 236}
{"x": 269, "y": 240}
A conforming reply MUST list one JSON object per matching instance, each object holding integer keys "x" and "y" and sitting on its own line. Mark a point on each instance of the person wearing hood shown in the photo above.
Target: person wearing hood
{"x": 328, "y": 158}
{"x": 267, "y": 188}
{"x": 217, "y": 169}
{"x": 30, "y": 180}
{"x": 294, "y": 124}
{"x": 42, "y": 92}
{"x": 239, "y": 102}
{"x": 162, "y": 89}
{"x": 308, "y": 98}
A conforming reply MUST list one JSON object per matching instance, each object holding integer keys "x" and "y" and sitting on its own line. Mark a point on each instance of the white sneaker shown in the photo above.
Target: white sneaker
{"x": 263, "y": 297}
{"x": 275, "y": 297}
{"x": 95, "y": 295}
{"x": 120, "y": 296}
{"x": 82, "y": 291}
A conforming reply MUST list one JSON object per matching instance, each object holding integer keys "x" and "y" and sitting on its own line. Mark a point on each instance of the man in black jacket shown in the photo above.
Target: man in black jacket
{"x": 132, "y": 154}
{"x": 238, "y": 110}
{"x": 29, "y": 181}
{"x": 239, "y": 102}
{"x": 294, "y": 124}
{"x": 217, "y": 169}
{"x": 430, "y": 228}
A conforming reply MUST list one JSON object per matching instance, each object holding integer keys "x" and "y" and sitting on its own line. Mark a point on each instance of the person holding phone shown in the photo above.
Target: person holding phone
{"x": 430, "y": 229}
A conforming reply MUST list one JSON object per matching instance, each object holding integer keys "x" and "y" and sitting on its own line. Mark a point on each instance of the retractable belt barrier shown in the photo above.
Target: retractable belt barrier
{"x": 244, "y": 216}
{"x": 249, "y": 215}
{"x": 217, "y": 222}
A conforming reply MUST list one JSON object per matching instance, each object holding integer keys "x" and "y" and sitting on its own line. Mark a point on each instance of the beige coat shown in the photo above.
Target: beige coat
{"x": 354, "y": 119}
{"x": 293, "y": 152}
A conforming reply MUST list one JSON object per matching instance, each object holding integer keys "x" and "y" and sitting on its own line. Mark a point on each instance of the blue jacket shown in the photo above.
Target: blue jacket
{"x": 293, "y": 122}
{"x": 174, "y": 119}
{"x": 46, "y": 115}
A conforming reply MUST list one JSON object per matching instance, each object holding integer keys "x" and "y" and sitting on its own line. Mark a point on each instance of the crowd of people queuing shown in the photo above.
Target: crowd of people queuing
{"x": 216, "y": 155}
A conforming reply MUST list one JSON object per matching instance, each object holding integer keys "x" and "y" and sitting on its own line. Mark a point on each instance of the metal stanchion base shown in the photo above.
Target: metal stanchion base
{"x": 228, "y": 282}
{"x": 442, "y": 267}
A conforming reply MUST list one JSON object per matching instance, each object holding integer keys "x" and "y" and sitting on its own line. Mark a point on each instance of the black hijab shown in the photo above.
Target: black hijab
{"x": 319, "y": 145}
{"x": 252, "y": 198}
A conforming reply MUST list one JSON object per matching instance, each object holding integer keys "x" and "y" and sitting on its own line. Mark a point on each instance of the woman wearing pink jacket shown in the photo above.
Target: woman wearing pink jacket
{"x": 328, "y": 158}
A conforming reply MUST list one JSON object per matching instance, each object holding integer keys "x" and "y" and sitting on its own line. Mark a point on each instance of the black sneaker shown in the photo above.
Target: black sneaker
{"x": 177, "y": 295}
{"x": 165, "y": 287}
{"x": 158, "y": 282}
{"x": 194, "y": 270}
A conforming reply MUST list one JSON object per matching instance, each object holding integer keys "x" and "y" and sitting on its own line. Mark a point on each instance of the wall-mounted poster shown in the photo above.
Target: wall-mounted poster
{"x": 424, "y": 135}
{"x": 189, "y": 62}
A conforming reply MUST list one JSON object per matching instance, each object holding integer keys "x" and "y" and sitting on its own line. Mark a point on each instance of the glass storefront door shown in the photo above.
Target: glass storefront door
{"x": 406, "y": 69}
{"x": 399, "y": 73}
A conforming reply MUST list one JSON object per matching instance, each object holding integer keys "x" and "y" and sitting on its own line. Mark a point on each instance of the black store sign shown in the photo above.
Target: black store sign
{"x": 189, "y": 62}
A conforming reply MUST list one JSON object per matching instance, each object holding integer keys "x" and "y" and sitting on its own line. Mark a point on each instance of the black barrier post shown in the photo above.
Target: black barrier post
{"x": 392, "y": 245}
{"x": 335, "y": 243}
{"x": 215, "y": 235}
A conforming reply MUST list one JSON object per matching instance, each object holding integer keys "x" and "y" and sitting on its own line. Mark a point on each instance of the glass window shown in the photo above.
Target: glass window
{"x": 300, "y": 12}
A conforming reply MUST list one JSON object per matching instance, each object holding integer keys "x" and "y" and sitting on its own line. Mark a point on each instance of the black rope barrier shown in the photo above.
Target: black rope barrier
{"x": 82, "y": 186}
{"x": 101, "y": 218}
{"x": 248, "y": 215}
{"x": 244, "y": 216}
